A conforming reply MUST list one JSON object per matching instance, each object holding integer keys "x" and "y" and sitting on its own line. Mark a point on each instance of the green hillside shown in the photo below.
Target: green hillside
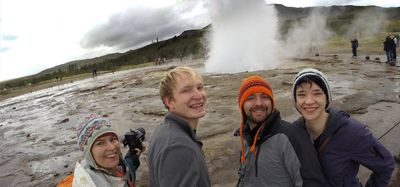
{"x": 189, "y": 43}
{"x": 339, "y": 17}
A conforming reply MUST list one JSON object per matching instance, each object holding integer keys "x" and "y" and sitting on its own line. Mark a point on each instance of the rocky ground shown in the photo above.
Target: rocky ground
{"x": 37, "y": 130}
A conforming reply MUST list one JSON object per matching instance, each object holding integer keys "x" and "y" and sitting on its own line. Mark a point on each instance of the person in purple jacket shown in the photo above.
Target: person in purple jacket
{"x": 342, "y": 143}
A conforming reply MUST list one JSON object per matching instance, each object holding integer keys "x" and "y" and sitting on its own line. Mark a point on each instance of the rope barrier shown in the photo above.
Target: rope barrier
{"x": 389, "y": 130}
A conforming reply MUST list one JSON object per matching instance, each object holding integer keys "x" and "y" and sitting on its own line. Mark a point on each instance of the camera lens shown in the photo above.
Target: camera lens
{"x": 142, "y": 130}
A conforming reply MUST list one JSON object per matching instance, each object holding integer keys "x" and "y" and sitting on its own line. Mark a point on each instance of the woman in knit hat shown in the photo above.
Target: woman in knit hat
{"x": 102, "y": 163}
{"x": 342, "y": 142}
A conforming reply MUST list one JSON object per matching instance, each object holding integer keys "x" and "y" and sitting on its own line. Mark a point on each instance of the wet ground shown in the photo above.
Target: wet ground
{"x": 37, "y": 130}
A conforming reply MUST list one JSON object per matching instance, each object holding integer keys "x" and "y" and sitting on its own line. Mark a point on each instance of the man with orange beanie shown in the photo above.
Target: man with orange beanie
{"x": 274, "y": 152}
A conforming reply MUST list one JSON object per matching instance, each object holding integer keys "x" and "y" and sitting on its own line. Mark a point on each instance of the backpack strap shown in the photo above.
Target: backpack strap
{"x": 323, "y": 145}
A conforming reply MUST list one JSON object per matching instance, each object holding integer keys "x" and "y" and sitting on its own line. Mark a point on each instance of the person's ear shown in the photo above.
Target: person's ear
{"x": 168, "y": 102}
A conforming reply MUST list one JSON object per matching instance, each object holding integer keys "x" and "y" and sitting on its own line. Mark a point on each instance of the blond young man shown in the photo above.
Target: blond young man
{"x": 175, "y": 155}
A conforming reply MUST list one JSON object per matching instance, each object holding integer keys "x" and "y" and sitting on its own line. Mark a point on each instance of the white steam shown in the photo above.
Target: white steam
{"x": 307, "y": 36}
{"x": 366, "y": 23}
{"x": 243, "y": 36}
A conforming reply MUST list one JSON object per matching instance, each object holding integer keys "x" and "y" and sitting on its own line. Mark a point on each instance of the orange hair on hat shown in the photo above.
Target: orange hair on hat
{"x": 250, "y": 85}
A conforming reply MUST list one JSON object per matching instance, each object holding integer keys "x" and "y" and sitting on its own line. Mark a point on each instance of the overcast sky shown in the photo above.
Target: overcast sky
{"x": 39, "y": 34}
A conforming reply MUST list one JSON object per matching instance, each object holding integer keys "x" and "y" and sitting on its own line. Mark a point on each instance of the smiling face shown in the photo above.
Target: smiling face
{"x": 188, "y": 98}
{"x": 310, "y": 101}
{"x": 257, "y": 107}
{"x": 106, "y": 151}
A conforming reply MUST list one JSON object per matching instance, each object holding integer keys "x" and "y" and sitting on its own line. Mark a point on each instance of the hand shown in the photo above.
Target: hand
{"x": 140, "y": 151}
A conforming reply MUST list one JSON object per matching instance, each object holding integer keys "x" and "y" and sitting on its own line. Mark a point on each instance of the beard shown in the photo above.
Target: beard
{"x": 257, "y": 121}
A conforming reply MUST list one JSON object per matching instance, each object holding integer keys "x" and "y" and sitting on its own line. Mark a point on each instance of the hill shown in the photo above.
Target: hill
{"x": 190, "y": 44}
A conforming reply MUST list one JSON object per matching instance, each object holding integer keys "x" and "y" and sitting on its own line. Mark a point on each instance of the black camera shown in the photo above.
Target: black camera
{"x": 134, "y": 139}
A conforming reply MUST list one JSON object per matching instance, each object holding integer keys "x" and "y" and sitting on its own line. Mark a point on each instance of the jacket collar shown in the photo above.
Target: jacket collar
{"x": 89, "y": 162}
{"x": 271, "y": 127}
{"x": 182, "y": 124}
{"x": 336, "y": 120}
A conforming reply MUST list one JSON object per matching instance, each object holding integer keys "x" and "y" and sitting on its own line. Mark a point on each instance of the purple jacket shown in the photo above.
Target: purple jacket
{"x": 344, "y": 145}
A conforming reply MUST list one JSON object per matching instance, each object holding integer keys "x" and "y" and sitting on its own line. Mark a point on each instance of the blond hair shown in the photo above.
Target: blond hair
{"x": 169, "y": 80}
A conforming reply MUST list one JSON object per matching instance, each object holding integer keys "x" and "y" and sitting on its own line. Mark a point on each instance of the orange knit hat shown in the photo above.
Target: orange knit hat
{"x": 250, "y": 85}
{"x": 254, "y": 84}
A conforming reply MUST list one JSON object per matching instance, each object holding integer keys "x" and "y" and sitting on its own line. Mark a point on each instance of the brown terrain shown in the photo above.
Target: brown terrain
{"x": 37, "y": 130}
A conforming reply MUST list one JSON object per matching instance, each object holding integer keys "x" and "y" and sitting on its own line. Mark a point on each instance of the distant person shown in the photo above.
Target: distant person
{"x": 274, "y": 152}
{"x": 342, "y": 143}
{"x": 354, "y": 46}
{"x": 102, "y": 163}
{"x": 175, "y": 155}
{"x": 94, "y": 72}
{"x": 388, "y": 48}
{"x": 156, "y": 62}
{"x": 395, "y": 43}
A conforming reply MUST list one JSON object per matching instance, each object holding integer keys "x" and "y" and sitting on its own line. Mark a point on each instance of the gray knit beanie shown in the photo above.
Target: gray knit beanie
{"x": 317, "y": 74}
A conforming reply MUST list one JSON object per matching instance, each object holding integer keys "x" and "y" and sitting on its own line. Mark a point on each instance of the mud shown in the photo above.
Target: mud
{"x": 37, "y": 130}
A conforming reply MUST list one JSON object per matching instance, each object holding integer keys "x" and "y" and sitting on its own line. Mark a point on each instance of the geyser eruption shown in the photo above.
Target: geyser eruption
{"x": 243, "y": 36}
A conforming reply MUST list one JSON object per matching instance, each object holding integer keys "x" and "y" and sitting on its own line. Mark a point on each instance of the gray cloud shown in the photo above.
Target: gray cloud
{"x": 8, "y": 37}
{"x": 138, "y": 25}
{"x": 4, "y": 40}
{"x": 4, "y": 49}
{"x": 338, "y": 2}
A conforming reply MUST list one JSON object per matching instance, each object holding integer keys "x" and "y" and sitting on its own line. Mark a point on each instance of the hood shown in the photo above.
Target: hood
{"x": 336, "y": 120}
{"x": 259, "y": 134}
{"x": 89, "y": 162}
